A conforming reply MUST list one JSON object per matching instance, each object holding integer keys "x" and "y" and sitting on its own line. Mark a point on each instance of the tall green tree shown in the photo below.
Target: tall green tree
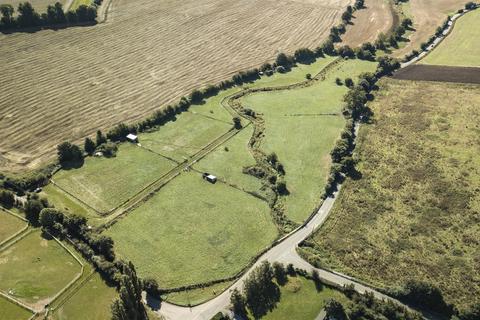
{"x": 129, "y": 305}
{"x": 7, "y": 20}
{"x": 89, "y": 146}
{"x": 335, "y": 310}
{"x": 27, "y": 16}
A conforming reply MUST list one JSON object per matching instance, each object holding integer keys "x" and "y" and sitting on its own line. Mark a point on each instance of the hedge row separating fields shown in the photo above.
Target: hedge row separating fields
{"x": 55, "y": 17}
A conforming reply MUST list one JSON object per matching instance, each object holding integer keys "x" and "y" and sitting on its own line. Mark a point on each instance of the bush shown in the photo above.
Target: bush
{"x": 308, "y": 76}
{"x": 470, "y": 5}
{"x": 304, "y": 55}
{"x": 68, "y": 153}
{"x": 284, "y": 60}
{"x": 150, "y": 285}
{"x": 7, "y": 198}
{"x": 349, "y": 82}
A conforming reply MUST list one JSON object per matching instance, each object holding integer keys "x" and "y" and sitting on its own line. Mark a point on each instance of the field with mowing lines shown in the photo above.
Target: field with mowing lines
{"x": 461, "y": 47}
{"x": 10, "y": 311}
{"x": 9, "y": 225}
{"x": 40, "y": 6}
{"x": 312, "y": 118}
{"x": 427, "y": 16}
{"x": 414, "y": 214}
{"x": 94, "y": 293}
{"x": 105, "y": 183}
{"x": 185, "y": 136}
{"x": 368, "y": 23}
{"x": 197, "y": 296}
{"x": 62, "y": 201}
{"x": 203, "y": 231}
{"x": 35, "y": 269}
{"x": 66, "y": 84}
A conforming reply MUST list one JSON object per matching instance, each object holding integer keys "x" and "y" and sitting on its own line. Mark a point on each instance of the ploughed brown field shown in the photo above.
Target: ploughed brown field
{"x": 66, "y": 84}
{"x": 439, "y": 73}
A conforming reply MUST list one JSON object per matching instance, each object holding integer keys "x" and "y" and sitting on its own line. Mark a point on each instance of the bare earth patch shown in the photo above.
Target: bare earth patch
{"x": 66, "y": 84}
{"x": 439, "y": 73}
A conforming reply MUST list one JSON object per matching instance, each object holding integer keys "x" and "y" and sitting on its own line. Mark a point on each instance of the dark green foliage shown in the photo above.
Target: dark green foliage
{"x": 261, "y": 293}
{"x": 281, "y": 188}
{"x": 237, "y": 123}
{"x": 246, "y": 76}
{"x": 55, "y": 14}
{"x": 220, "y": 316}
{"x": 304, "y": 55}
{"x": 291, "y": 270}
{"x": 238, "y": 303}
{"x": 103, "y": 245}
{"x": 349, "y": 82}
{"x": 7, "y": 198}
{"x": 120, "y": 132}
{"x": 359, "y": 4}
{"x": 316, "y": 280}
{"x": 49, "y": 217}
{"x": 32, "y": 210}
{"x": 470, "y": 5}
{"x": 338, "y": 81}
{"x": 386, "y": 65}
{"x": 89, "y": 146}
{"x": 284, "y": 60}
{"x": 7, "y": 21}
{"x": 108, "y": 149}
{"x": 308, "y": 76}
{"x": 129, "y": 305}
{"x": 196, "y": 97}
{"x": 27, "y": 16}
{"x": 150, "y": 285}
{"x": 328, "y": 47}
{"x": 335, "y": 310}
{"x": 86, "y": 13}
{"x": 280, "y": 273}
{"x": 69, "y": 153}
{"x": 346, "y": 52}
{"x": 100, "y": 138}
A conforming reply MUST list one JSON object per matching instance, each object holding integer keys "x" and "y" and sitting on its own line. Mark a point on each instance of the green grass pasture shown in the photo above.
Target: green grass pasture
{"x": 35, "y": 269}
{"x": 105, "y": 183}
{"x": 185, "y": 136}
{"x": 10, "y": 311}
{"x": 461, "y": 47}
{"x": 302, "y": 126}
{"x": 95, "y": 294}
{"x": 196, "y": 296}
{"x": 9, "y": 225}
{"x": 415, "y": 212}
{"x": 193, "y": 231}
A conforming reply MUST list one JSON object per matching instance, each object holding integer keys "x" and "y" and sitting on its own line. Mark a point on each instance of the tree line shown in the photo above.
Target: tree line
{"x": 28, "y": 17}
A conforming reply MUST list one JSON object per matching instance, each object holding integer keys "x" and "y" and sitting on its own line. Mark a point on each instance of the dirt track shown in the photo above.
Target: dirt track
{"x": 66, "y": 84}
{"x": 439, "y": 73}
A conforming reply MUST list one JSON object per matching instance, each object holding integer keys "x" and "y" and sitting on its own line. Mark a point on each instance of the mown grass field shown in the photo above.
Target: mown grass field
{"x": 302, "y": 126}
{"x": 78, "y": 3}
{"x": 461, "y": 47}
{"x": 185, "y": 136}
{"x": 10, "y": 311}
{"x": 95, "y": 294}
{"x": 35, "y": 269}
{"x": 299, "y": 299}
{"x": 193, "y": 231}
{"x": 9, "y": 225}
{"x": 62, "y": 201}
{"x": 415, "y": 212}
{"x": 228, "y": 160}
{"x": 104, "y": 183}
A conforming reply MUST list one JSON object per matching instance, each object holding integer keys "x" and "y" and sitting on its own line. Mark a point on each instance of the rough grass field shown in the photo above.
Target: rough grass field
{"x": 427, "y": 16}
{"x": 9, "y": 225}
{"x": 10, "y": 311}
{"x": 35, "y": 269}
{"x": 62, "y": 201}
{"x": 299, "y": 299}
{"x": 461, "y": 48}
{"x": 312, "y": 118}
{"x": 196, "y": 296}
{"x": 104, "y": 183}
{"x": 415, "y": 212}
{"x": 78, "y": 3}
{"x": 95, "y": 294}
{"x": 67, "y": 84}
{"x": 193, "y": 231}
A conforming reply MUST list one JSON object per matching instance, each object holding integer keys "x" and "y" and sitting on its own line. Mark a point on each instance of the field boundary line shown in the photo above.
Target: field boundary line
{"x": 16, "y": 234}
{"x": 18, "y": 303}
{"x": 56, "y": 185}
{"x": 19, "y": 237}
{"x": 64, "y": 299}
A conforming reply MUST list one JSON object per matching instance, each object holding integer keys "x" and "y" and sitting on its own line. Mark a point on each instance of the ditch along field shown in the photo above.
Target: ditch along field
{"x": 427, "y": 16}
{"x": 206, "y": 232}
{"x": 34, "y": 269}
{"x": 66, "y": 84}
{"x": 414, "y": 212}
{"x": 461, "y": 48}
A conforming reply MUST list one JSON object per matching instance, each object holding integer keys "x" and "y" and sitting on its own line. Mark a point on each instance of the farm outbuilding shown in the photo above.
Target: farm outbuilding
{"x": 209, "y": 177}
{"x": 132, "y": 138}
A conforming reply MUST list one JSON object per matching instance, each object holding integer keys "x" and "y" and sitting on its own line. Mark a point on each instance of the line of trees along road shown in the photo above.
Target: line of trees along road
{"x": 28, "y": 17}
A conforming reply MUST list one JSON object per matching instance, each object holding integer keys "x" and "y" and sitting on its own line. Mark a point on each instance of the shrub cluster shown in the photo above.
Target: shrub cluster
{"x": 28, "y": 18}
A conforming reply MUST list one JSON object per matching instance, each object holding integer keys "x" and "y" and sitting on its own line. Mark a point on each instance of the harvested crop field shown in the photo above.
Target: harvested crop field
{"x": 427, "y": 16}
{"x": 439, "y": 73}
{"x": 377, "y": 17}
{"x": 66, "y": 84}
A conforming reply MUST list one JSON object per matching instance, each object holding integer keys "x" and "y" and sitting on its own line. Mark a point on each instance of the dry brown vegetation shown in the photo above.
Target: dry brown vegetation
{"x": 427, "y": 15}
{"x": 66, "y": 84}
{"x": 368, "y": 23}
